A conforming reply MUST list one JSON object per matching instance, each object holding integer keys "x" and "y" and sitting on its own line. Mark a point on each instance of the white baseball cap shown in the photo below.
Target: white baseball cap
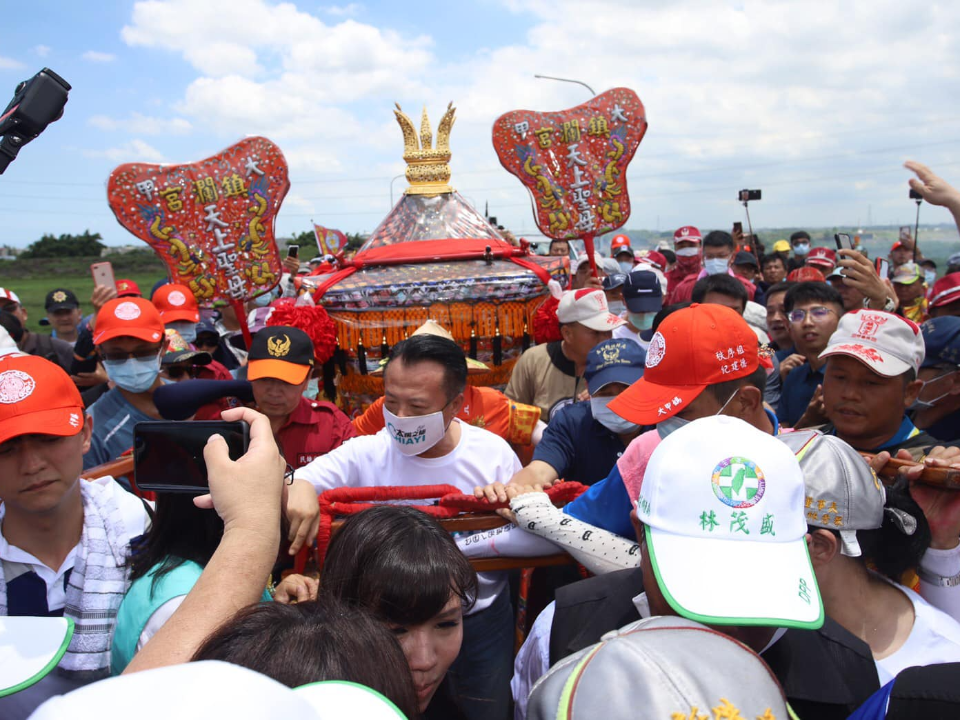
{"x": 886, "y": 343}
{"x": 587, "y": 307}
{"x": 723, "y": 506}
{"x": 30, "y": 648}
{"x": 211, "y": 688}
{"x": 9, "y": 295}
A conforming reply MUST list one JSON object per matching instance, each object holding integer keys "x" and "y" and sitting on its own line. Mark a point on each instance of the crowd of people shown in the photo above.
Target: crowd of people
{"x": 729, "y": 413}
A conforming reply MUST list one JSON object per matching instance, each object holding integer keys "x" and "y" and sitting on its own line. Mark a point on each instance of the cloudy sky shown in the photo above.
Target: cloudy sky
{"x": 818, "y": 105}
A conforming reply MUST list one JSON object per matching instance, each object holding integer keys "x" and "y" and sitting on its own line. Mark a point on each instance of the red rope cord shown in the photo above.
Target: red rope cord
{"x": 450, "y": 503}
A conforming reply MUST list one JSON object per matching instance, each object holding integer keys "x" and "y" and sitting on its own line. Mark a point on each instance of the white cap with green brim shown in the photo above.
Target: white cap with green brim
{"x": 723, "y": 506}
{"x": 30, "y": 647}
{"x": 214, "y": 689}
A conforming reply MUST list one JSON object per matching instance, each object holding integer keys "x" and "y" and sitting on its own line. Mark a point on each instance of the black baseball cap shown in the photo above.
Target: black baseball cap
{"x": 746, "y": 258}
{"x": 642, "y": 292}
{"x": 280, "y": 352}
{"x": 61, "y": 299}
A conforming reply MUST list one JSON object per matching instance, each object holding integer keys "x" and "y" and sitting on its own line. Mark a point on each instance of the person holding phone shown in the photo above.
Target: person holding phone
{"x": 129, "y": 337}
{"x": 63, "y": 540}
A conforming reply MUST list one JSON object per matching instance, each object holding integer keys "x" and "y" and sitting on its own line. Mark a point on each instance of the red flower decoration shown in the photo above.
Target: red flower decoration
{"x": 546, "y": 327}
{"x": 313, "y": 320}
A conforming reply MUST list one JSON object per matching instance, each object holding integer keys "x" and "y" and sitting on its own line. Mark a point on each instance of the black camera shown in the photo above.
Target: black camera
{"x": 914, "y": 195}
{"x": 36, "y": 103}
{"x": 748, "y": 195}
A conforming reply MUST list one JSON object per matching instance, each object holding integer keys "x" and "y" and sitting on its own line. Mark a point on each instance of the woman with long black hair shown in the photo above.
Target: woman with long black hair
{"x": 401, "y": 565}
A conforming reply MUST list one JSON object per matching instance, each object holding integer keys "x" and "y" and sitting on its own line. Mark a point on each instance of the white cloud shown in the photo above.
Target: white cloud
{"x": 41, "y": 50}
{"x": 10, "y": 64}
{"x": 755, "y": 92}
{"x": 350, "y": 10}
{"x": 98, "y": 57}
{"x": 133, "y": 151}
{"x": 142, "y": 124}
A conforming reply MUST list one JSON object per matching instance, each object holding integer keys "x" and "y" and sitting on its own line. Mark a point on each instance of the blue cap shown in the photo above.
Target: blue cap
{"x": 642, "y": 292}
{"x": 614, "y": 280}
{"x": 205, "y": 326}
{"x": 941, "y": 336}
{"x": 614, "y": 361}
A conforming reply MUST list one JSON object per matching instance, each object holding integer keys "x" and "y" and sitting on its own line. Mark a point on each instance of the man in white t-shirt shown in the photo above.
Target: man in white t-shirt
{"x": 424, "y": 443}
{"x": 63, "y": 541}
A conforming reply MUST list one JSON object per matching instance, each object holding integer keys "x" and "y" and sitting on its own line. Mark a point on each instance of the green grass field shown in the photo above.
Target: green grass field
{"x": 33, "y": 291}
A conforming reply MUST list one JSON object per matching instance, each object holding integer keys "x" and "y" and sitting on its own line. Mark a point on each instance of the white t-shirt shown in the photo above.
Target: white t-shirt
{"x": 479, "y": 458}
{"x": 934, "y": 639}
{"x": 625, "y": 332}
{"x": 135, "y": 520}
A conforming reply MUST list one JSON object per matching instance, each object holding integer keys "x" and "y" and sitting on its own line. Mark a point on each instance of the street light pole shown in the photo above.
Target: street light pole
{"x": 559, "y": 79}
{"x": 392, "y": 180}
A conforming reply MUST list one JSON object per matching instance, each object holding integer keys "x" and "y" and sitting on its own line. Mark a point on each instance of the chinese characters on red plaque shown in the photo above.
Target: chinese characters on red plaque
{"x": 574, "y": 162}
{"x": 211, "y": 222}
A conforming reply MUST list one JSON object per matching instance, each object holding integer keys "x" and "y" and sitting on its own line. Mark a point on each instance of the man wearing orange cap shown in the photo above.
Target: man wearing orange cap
{"x": 179, "y": 311}
{"x": 702, "y": 360}
{"x": 63, "y": 541}
{"x": 279, "y": 366}
{"x": 130, "y": 342}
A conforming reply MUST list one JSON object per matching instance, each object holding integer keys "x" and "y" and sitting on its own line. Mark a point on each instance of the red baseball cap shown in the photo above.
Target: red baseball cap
{"x": 805, "y": 274}
{"x": 651, "y": 257}
{"x": 128, "y": 317}
{"x": 687, "y": 232}
{"x": 37, "y": 396}
{"x": 695, "y": 347}
{"x": 945, "y": 290}
{"x": 619, "y": 241}
{"x": 128, "y": 288}
{"x": 824, "y": 257}
{"x": 176, "y": 302}
{"x": 896, "y": 246}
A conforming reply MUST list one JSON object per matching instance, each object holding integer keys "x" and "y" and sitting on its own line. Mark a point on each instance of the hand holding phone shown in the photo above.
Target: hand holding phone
{"x": 293, "y": 251}
{"x": 840, "y": 238}
{"x": 168, "y": 455}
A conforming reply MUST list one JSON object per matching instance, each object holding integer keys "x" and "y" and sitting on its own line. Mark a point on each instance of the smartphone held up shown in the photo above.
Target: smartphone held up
{"x": 102, "y": 273}
{"x": 168, "y": 455}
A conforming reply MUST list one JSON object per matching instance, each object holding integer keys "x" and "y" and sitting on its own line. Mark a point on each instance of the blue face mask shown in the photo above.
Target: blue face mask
{"x": 187, "y": 330}
{"x": 801, "y": 249}
{"x": 715, "y": 266}
{"x": 641, "y": 321}
{"x": 608, "y": 418}
{"x": 263, "y": 300}
{"x": 134, "y": 375}
{"x": 626, "y": 266}
{"x": 930, "y": 277}
{"x": 313, "y": 389}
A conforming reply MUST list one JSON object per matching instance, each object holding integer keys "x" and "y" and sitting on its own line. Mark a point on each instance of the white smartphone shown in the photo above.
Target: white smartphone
{"x": 103, "y": 274}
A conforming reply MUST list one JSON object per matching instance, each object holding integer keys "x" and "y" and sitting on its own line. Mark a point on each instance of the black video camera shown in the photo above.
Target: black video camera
{"x": 749, "y": 195}
{"x": 36, "y": 103}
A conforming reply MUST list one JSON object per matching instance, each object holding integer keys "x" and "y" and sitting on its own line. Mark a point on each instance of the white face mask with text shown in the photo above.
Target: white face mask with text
{"x": 416, "y": 434}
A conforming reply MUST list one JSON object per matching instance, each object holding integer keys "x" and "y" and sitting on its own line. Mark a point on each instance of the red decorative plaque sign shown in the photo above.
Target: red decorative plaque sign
{"x": 574, "y": 162}
{"x": 212, "y": 222}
